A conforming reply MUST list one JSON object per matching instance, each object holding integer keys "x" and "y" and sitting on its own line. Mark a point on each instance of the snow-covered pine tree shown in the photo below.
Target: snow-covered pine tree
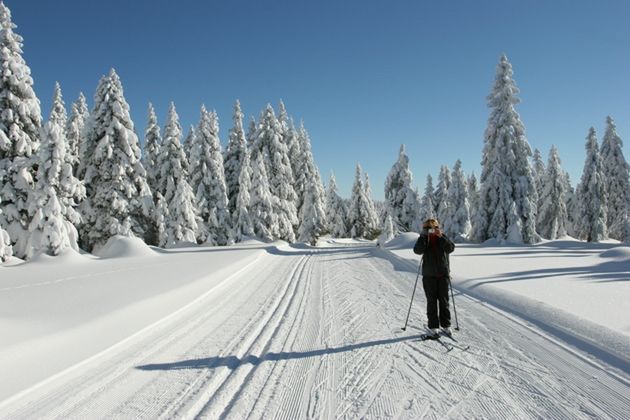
{"x": 208, "y": 181}
{"x": 189, "y": 142}
{"x": 361, "y": 217}
{"x": 6, "y": 250}
{"x": 427, "y": 207}
{"x": 234, "y": 157}
{"x": 250, "y": 136}
{"x": 20, "y": 119}
{"x": 399, "y": 195}
{"x": 242, "y": 220}
{"x": 616, "y": 173}
{"x": 183, "y": 220}
{"x": 538, "y": 171}
{"x": 591, "y": 225}
{"x": 308, "y": 171}
{"x": 312, "y": 215}
{"x": 119, "y": 199}
{"x": 372, "y": 213}
{"x": 441, "y": 195}
{"x": 57, "y": 193}
{"x": 457, "y": 223}
{"x": 570, "y": 200}
{"x": 262, "y": 213}
{"x": 473, "y": 192}
{"x": 387, "y": 233}
{"x": 552, "y": 215}
{"x": 269, "y": 145}
{"x": 150, "y": 157}
{"x": 506, "y": 170}
{"x": 75, "y": 130}
{"x": 161, "y": 219}
{"x": 335, "y": 211}
{"x": 58, "y": 113}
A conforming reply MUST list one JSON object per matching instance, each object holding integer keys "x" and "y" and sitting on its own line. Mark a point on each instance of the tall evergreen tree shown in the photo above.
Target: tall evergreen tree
{"x": 552, "y": 215}
{"x": 75, "y": 129}
{"x": 457, "y": 222}
{"x": 372, "y": 212}
{"x": 312, "y": 215}
{"x": 361, "y": 215}
{"x": 208, "y": 181}
{"x": 506, "y": 176}
{"x": 269, "y": 145}
{"x": 119, "y": 200}
{"x": 20, "y": 119}
{"x": 427, "y": 207}
{"x": 307, "y": 171}
{"x": 189, "y": 142}
{"x": 616, "y": 173}
{"x": 441, "y": 194}
{"x": 591, "y": 224}
{"x": 399, "y": 195}
{"x": 234, "y": 157}
{"x": 58, "y": 113}
{"x": 242, "y": 220}
{"x": 182, "y": 219}
{"x": 161, "y": 219}
{"x": 538, "y": 173}
{"x": 570, "y": 200}
{"x": 335, "y": 211}
{"x": 263, "y": 216}
{"x": 6, "y": 250}
{"x": 150, "y": 157}
{"x": 57, "y": 194}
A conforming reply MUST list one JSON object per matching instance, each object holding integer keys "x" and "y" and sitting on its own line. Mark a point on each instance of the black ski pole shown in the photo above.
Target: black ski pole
{"x": 412, "y": 295}
{"x": 453, "y": 299}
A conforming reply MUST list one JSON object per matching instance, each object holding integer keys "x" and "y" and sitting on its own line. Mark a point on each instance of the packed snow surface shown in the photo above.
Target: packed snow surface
{"x": 274, "y": 330}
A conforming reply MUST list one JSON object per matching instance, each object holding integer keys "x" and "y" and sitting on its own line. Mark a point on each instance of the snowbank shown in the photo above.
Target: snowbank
{"x": 125, "y": 247}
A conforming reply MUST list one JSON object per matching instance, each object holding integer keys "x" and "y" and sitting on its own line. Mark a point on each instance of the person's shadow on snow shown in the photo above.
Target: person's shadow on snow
{"x": 233, "y": 362}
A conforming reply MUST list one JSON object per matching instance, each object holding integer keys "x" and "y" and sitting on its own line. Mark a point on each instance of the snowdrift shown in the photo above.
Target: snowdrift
{"x": 124, "y": 247}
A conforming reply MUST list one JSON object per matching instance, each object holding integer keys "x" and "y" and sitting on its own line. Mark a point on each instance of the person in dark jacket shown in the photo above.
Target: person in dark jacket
{"x": 435, "y": 248}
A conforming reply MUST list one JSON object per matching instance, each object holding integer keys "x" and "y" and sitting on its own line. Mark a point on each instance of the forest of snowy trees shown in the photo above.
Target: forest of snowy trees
{"x": 78, "y": 180}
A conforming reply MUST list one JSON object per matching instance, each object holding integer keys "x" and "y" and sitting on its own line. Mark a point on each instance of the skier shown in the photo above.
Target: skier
{"x": 435, "y": 247}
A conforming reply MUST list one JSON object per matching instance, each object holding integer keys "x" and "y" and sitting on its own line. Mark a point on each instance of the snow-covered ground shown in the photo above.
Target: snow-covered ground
{"x": 279, "y": 331}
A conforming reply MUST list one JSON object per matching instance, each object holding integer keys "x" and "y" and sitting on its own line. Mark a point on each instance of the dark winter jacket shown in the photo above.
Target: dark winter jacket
{"x": 435, "y": 260}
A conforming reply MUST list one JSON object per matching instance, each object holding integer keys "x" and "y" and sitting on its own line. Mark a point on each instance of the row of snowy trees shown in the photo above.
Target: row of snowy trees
{"x": 520, "y": 199}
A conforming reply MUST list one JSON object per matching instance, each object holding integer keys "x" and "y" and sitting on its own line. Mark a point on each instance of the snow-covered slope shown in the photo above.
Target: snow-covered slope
{"x": 280, "y": 331}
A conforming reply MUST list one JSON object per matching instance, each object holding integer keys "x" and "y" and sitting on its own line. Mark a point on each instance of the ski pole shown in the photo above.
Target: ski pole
{"x": 453, "y": 299}
{"x": 412, "y": 295}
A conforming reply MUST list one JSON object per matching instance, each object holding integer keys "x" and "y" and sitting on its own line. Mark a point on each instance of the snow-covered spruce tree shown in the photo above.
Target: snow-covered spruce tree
{"x": 208, "y": 181}
{"x": 57, "y": 193}
{"x": 308, "y": 171}
{"x": 335, "y": 211}
{"x": 242, "y": 221}
{"x": 506, "y": 176}
{"x": 387, "y": 233}
{"x": 262, "y": 213}
{"x": 189, "y": 142}
{"x": 552, "y": 215}
{"x": 441, "y": 195}
{"x": 361, "y": 217}
{"x": 473, "y": 192}
{"x": 427, "y": 207}
{"x": 457, "y": 223}
{"x": 119, "y": 200}
{"x": 312, "y": 214}
{"x": 371, "y": 206}
{"x": 591, "y": 224}
{"x": 234, "y": 157}
{"x": 75, "y": 130}
{"x": 182, "y": 223}
{"x": 570, "y": 200}
{"x": 397, "y": 191}
{"x": 151, "y": 153}
{"x": 6, "y": 250}
{"x": 161, "y": 218}
{"x": 58, "y": 113}
{"x": 616, "y": 172}
{"x": 269, "y": 145}
{"x": 250, "y": 136}
{"x": 20, "y": 119}
{"x": 538, "y": 171}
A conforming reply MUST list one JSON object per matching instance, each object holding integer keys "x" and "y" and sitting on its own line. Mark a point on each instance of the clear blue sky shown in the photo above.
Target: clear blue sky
{"x": 365, "y": 76}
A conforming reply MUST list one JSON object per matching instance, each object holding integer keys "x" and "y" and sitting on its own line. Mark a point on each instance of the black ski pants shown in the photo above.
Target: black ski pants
{"x": 436, "y": 292}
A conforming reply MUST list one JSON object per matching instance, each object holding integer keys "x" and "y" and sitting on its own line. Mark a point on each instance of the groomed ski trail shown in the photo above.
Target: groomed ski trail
{"x": 315, "y": 333}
